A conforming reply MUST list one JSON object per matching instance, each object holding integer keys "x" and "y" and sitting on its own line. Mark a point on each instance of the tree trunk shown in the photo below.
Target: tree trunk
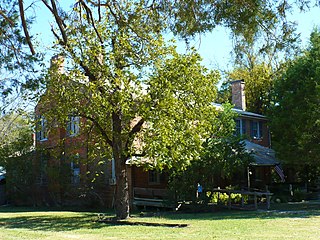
{"x": 122, "y": 188}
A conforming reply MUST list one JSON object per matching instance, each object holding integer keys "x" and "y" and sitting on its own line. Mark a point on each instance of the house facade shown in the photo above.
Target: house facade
{"x": 67, "y": 173}
{"x": 69, "y": 168}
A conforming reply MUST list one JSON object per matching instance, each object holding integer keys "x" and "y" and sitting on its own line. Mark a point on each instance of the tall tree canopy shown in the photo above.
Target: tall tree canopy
{"x": 296, "y": 113}
{"x": 131, "y": 87}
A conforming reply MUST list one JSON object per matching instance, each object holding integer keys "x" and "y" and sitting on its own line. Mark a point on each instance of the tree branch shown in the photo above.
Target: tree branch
{"x": 59, "y": 21}
{"x": 136, "y": 128}
{"x": 103, "y": 133}
{"x": 25, "y": 29}
{"x": 6, "y": 18}
{"x": 89, "y": 13}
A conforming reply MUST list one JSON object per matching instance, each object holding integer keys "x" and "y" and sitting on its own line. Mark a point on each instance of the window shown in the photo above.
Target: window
{"x": 42, "y": 133}
{"x": 75, "y": 171}
{"x": 73, "y": 126}
{"x": 256, "y": 130}
{"x": 154, "y": 177}
{"x": 240, "y": 127}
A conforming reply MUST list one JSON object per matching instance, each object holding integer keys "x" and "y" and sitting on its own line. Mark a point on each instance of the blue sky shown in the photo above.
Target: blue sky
{"x": 214, "y": 47}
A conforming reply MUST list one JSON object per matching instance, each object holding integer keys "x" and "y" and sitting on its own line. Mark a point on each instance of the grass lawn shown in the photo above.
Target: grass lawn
{"x": 297, "y": 221}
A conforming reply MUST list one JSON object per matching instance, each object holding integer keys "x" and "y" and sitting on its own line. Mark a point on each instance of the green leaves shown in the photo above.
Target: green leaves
{"x": 181, "y": 92}
{"x": 296, "y": 112}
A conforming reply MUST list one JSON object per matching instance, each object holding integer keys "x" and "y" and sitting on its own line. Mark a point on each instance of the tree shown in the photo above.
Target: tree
{"x": 223, "y": 157}
{"x": 16, "y": 145}
{"x": 259, "y": 83}
{"x": 295, "y": 115}
{"x": 129, "y": 85}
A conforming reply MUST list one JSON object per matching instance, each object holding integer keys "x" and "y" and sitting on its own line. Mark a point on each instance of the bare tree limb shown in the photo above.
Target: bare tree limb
{"x": 7, "y": 18}
{"x": 53, "y": 9}
{"x": 102, "y": 131}
{"x": 89, "y": 13}
{"x": 25, "y": 28}
{"x": 136, "y": 128}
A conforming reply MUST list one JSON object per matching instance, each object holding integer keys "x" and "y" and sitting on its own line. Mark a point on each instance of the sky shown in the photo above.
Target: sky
{"x": 214, "y": 47}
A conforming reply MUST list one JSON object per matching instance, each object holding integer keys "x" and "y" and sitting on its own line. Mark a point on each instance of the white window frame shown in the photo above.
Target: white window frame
{"x": 258, "y": 130}
{"x": 113, "y": 179}
{"x": 42, "y": 131}
{"x": 73, "y": 126}
{"x": 239, "y": 129}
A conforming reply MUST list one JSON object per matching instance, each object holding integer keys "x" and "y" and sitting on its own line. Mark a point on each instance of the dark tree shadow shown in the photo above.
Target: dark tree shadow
{"x": 89, "y": 220}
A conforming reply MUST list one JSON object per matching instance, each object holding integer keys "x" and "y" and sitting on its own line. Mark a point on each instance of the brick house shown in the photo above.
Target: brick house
{"x": 66, "y": 173}
{"x": 69, "y": 175}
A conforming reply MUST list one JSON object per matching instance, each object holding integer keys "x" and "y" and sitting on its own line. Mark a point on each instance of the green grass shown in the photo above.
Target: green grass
{"x": 298, "y": 221}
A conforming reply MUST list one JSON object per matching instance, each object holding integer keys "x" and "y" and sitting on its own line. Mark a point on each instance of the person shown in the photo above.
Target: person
{"x": 199, "y": 190}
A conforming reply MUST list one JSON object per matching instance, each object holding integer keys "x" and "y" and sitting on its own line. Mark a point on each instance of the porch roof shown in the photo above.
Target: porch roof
{"x": 263, "y": 156}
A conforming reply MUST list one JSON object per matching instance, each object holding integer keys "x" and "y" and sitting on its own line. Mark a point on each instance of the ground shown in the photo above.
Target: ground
{"x": 284, "y": 221}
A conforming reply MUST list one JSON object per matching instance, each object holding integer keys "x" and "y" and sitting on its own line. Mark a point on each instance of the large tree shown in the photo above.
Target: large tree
{"x": 295, "y": 117}
{"x": 131, "y": 87}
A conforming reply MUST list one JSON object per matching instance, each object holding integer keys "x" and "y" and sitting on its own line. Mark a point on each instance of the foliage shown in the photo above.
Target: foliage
{"x": 18, "y": 75}
{"x": 259, "y": 83}
{"x": 223, "y": 198}
{"x": 138, "y": 94}
{"x": 120, "y": 70}
{"x": 16, "y": 134}
{"x": 15, "y": 155}
{"x": 295, "y": 115}
{"x": 223, "y": 157}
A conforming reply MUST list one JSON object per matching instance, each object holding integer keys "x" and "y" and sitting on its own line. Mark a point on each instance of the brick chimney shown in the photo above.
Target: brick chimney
{"x": 58, "y": 61}
{"x": 238, "y": 94}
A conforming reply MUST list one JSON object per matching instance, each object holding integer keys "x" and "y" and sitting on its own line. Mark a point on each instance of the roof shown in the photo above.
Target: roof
{"x": 263, "y": 156}
{"x": 242, "y": 113}
{"x": 139, "y": 161}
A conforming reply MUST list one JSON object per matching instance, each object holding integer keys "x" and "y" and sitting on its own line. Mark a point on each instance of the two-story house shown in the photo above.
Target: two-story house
{"x": 68, "y": 174}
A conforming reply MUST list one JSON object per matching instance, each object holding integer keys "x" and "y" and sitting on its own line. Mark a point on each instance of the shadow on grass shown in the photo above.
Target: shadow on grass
{"x": 47, "y": 220}
{"x": 295, "y": 210}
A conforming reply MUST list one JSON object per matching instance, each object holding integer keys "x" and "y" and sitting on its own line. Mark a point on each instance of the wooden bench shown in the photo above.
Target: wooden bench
{"x": 152, "y": 197}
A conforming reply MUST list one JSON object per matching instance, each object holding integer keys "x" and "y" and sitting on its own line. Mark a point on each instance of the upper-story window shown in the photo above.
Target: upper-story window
{"x": 256, "y": 130}
{"x": 42, "y": 132}
{"x": 240, "y": 127}
{"x": 73, "y": 126}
